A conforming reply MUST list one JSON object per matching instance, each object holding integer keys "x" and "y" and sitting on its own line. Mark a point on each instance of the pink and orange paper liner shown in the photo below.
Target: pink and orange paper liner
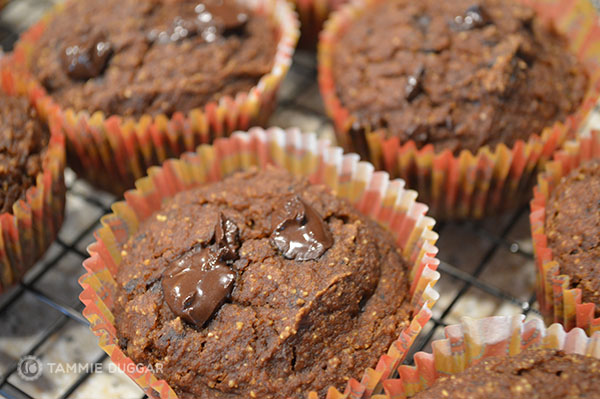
{"x": 112, "y": 152}
{"x": 386, "y": 201}
{"x": 466, "y": 185}
{"x": 559, "y": 302}
{"x": 28, "y": 231}
{"x": 472, "y": 341}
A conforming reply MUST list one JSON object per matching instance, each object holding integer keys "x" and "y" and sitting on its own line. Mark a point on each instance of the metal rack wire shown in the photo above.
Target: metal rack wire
{"x": 467, "y": 280}
{"x": 65, "y": 312}
{"x": 493, "y": 254}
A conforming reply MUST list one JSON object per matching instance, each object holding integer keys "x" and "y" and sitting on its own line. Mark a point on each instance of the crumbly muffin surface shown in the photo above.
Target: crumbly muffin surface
{"x": 23, "y": 144}
{"x": 135, "y": 57}
{"x": 533, "y": 374}
{"x": 289, "y": 325}
{"x": 573, "y": 229}
{"x": 457, "y": 74}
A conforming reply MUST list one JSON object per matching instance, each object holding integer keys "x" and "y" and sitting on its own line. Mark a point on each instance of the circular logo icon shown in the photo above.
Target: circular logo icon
{"x": 29, "y": 368}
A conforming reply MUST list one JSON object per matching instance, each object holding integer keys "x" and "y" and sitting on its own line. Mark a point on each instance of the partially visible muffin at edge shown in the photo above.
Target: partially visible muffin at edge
{"x": 534, "y": 373}
{"x": 297, "y": 316}
{"x": 572, "y": 225}
{"x": 23, "y": 146}
{"x": 456, "y": 74}
{"x": 136, "y": 57}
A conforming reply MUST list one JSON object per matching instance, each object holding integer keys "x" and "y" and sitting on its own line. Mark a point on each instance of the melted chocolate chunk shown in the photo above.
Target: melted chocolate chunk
{"x": 227, "y": 237}
{"x": 299, "y": 232}
{"x": 88, "y": 59}
{"x": 213, "y": 18}
{"x": 196, "y": 285}
{"x": 414, "y": 85}
{"x": 474, "y": 17}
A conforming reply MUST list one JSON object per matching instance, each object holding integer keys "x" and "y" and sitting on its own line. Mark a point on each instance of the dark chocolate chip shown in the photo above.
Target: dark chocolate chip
{"x": 88, "y": 59}
{"x": 196, "y": 285}
{"x": 227, "y": 237}
{"x": 474, "y": 17}
{"x": 414, "y": 84}
{"x": 299, "y": 232}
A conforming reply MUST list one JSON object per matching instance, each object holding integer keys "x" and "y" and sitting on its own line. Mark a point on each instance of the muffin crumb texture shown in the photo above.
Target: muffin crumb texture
{"x": 318, "y": 293}
{"x": 456, "y": 74}
{"x": 532, "y": 374}
{"x": 136, "y": 57}
{"x": 573, "y": 229}
{"x": 23, "y": 144}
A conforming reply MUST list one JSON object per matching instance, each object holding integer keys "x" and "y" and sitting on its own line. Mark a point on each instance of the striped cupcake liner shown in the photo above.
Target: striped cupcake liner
{"x": 373, "y": 193}
{"x": 467, "y": 185}
{"x": 559, "y": 302}
{"x": 474, "y": 340}
{"x": 112, "y": 152}
{"x": 27, "y": 231}
{"x": 313, "y": 14}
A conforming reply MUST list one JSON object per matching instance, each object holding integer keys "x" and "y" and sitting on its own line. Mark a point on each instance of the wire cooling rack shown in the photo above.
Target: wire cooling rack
{"x": 487, "y": 267}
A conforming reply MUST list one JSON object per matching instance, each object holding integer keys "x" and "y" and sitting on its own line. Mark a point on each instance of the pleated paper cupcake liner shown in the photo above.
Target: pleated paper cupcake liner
{"x": 466, "y": 185}
{"x": 112, "y": 152}
{"x": 27, "y": 232}
{"x": 373, "y": 193}
{"x": 313, "y": 14}
{"x": 474, "y": 340}
{"x": 559, "y": 302}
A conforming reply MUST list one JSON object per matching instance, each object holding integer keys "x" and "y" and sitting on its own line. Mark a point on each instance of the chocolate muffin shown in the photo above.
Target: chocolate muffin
{"x": 456, "y": 74}
{"x": 572, "y": 226}
{"x": 259, "y": 286}
{"x": 135, "y": 57}
{"x": 535, "y": 373}
{"x": 23, "y": 145}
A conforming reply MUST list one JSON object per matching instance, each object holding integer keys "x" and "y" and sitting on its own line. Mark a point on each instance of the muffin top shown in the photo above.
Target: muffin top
{"x": 535, "y": 373}
{"x": 260, "y": 285}
{"x": 23, "y": 144}
{"x": 457, "y": 74}
{"x": 135, "y": 57}
{"x": 572, "y": 226}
